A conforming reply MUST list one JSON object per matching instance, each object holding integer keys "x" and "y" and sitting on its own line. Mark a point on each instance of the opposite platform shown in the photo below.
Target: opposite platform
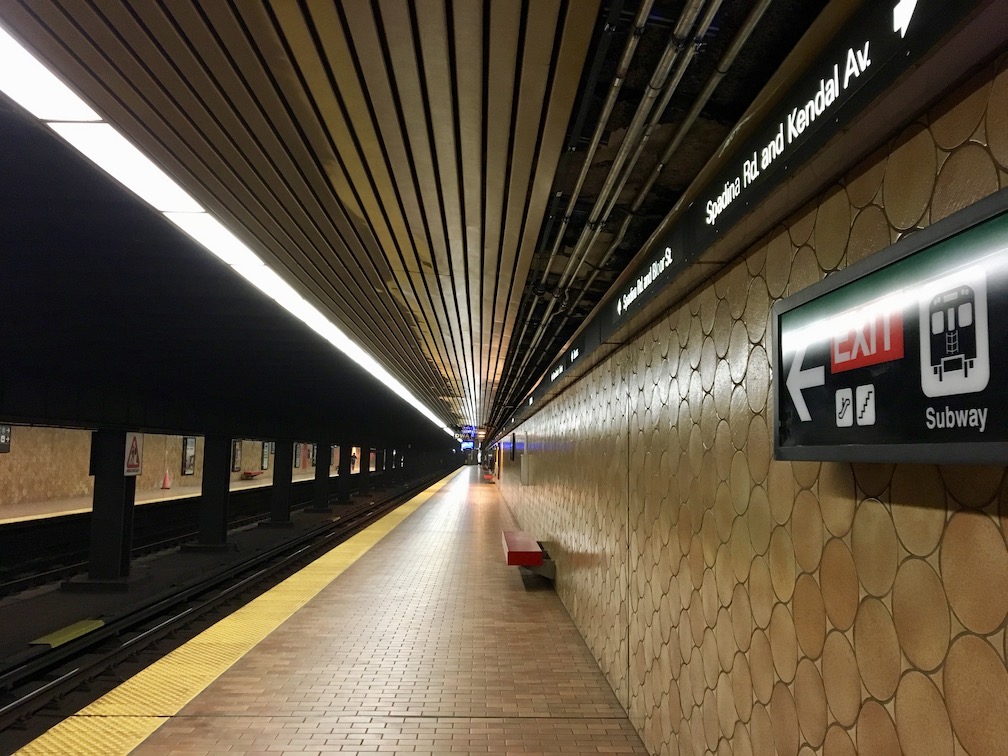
{"x": 411, "y": 637}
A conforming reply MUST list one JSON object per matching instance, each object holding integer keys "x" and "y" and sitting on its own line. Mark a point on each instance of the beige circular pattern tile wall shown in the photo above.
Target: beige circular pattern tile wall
{"x": 838, "y": 742}
{"x": 922, "y": 723}
{"x": 918, "y": 507}
{"x": 839, "y": 583}
{"x": 869, "y": 234}
{"x": 760, "y": 520}
{"x": 783, "y": 643}
{"x": 973, "y": 546}
{"x": 757, "y": 381}
{"x": 806, "y": 473}
{"x": 865, "y": 181}
{"x": 876, "y": 647}
{"x": 761, "y": 594}
{"x": 876, "y": 733}
{"x": 973, "y": 485}
{"x": 741, "y": 617}
{"x": 807, "y": 531}
{"x": 952, "y": 126}
{"x": 809, "y": 616}
{"x": 782, "y": 563}
{"x": 974, "y": 673}
{"x": 841, "y": 678}
{"x": 778, "y": 265}
{"x": 969, "y": 174}
{"x": 742, "y": 686}
{"x": 997, "y": 113}
{"x": 832, "y": 228}
{"x": 802, "y": 224}
{"x": 873, "y": 542}
{"x": 784, "y": 720}
{"x": 921, "y": 614}
{"x": 873, "y": 478}
{"x": 804, "y": 270}
{"x": 810, "y": 700}
{"x": 738, "y": 417}
{"x": 837, "y": 497}
{"x": 761, "y": 667}
{"x": 761, "y": 732}
{"x": 741, "y": 549}
{"x": 759, "y": 451}
{"x": 724, "y": 637}
{"x": 909, "y": 177}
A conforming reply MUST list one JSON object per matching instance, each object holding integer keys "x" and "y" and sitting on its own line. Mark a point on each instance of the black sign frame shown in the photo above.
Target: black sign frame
{"x": 938, "y": 452}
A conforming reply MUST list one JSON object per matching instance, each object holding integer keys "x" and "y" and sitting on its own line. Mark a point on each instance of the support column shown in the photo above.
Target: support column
{"x": 365, "y": 470}
{"x": 283, "y": 462}
{"x": 214, "y": 500}
{"x": 112, "y": 512}
{"x": 343, "y": 480}
{"x": 323, "y": 460}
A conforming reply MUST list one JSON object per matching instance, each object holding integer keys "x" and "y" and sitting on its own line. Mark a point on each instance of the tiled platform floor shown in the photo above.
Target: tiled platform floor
{"x": 429, "y": 643}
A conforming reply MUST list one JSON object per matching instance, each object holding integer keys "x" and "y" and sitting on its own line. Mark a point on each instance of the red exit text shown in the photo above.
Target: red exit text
{"x": 870, "y": 338}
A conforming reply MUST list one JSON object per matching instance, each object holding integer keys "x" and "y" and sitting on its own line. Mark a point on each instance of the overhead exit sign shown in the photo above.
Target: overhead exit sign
{"x": 903, "y": 357}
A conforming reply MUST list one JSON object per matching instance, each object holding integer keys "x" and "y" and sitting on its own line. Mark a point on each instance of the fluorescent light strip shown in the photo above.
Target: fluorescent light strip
{"x": 213, "y": 235}
{"x": 114, "y": 154}
{"x": 33, "y": 86}
{"x": 29, "y": 83}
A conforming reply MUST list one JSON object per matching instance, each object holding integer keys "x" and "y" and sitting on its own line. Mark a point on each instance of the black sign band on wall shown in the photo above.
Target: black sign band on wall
{"x": 903, "y": 357}
{"x": 878, "y": 44}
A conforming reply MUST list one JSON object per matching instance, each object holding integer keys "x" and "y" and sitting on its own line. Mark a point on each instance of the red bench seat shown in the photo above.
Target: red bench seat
{"x": 521, "y": 549}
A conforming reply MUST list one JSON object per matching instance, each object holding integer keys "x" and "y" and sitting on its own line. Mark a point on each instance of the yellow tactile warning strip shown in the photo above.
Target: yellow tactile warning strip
{"x": 124, "y": 717}
{"x": 68, "y": 633}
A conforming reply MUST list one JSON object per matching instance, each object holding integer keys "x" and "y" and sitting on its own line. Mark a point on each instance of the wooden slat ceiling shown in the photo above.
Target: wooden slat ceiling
{"x": 390, "y": 159}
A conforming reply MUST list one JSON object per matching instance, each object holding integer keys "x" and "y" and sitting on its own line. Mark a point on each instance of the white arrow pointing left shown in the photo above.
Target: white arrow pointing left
{"x": 901, "y": 16}
{"x": 799, "y": 379}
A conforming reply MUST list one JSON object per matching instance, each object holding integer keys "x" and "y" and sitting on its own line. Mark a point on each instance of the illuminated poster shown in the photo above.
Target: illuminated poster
{"x": 903, "y": 357}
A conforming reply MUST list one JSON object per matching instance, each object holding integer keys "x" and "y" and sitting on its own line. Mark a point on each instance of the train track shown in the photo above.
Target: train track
{"x": 41, "y": 676}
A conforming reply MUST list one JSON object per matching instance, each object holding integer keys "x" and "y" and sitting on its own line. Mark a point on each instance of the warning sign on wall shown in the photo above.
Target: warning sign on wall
{"x": 133, "y": 464}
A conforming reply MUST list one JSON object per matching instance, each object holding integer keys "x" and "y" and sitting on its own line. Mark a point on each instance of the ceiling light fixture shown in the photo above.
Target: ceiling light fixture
{"x": 28, "y": 82}
{"x": 33, "y": 86}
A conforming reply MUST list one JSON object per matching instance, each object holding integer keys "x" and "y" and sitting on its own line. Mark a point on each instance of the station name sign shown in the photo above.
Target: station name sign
{"x": 903, "y": 357}
{"x": 788, "y": 130}
{"x": 876, "y": 46}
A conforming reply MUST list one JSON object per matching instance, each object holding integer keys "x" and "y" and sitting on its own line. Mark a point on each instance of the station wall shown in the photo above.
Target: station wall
{"x": 47, "y": 464}
{"x": 743, "y": 605}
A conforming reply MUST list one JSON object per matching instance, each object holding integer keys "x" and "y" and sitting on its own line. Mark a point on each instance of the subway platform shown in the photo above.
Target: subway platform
{"x": 411, "y": 637}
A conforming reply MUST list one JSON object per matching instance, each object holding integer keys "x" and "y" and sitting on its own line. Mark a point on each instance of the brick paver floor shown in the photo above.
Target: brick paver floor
{"x": 429, "y": 643}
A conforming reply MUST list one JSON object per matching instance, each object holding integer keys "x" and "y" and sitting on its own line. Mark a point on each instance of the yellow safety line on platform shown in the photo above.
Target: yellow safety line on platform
{"x": 124, "y": 717}
{"x": 68, "y": 633}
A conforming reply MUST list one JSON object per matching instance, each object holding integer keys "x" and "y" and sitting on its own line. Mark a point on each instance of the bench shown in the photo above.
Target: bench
{"x": 251, "y": 474}
{"x": 522, "y": 550}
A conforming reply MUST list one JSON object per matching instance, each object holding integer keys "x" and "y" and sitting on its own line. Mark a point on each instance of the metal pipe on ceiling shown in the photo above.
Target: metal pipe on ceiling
{"x": 622, "y": 67}
{"x": 678, "y": 41}
{"x": 653, "y": 121}
{"x": 610, "y": 102}
{"x": 656, "y": 86}
{"x": 722, "y": 68}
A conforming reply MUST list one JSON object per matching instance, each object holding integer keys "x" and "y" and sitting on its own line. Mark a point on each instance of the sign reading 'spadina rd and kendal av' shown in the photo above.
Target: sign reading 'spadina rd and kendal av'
{"x": 877, "y": 45}
{"x": 903, "y": 357}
